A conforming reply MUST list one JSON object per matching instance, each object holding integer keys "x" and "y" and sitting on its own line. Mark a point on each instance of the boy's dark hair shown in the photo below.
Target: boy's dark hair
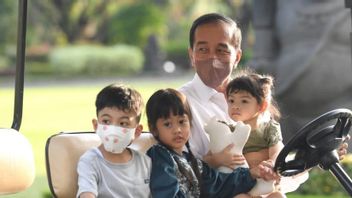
{"x": 215, "y": 18}
{"x": 163, "y": 102}
{"x": 121, "y": 97}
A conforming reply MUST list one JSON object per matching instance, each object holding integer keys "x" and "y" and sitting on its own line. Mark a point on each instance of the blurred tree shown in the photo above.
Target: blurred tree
{"x": 135, "y": 23}
{"x": 74, "y": 21}
{"x": 62, "y": 22}
{"x": 69, "y": 21}
{"x": 8, "y": 17}
{"x": 97, "y": 21}
{"x": 111, "y": 21}
{"x": 241, "y": 11}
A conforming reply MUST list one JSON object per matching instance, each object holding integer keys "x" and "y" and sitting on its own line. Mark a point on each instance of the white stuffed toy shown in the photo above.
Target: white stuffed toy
{"x": 221, "y": 135}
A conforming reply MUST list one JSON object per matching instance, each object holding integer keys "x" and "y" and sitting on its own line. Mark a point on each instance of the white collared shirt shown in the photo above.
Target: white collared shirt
{"x": 205, "y": 103}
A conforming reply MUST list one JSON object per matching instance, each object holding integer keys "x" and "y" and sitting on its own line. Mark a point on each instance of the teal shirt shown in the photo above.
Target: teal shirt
{"x": 165, "y": 180}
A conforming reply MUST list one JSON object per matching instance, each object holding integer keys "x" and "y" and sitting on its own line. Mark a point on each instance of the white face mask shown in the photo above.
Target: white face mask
{"x": 114, "y": 138}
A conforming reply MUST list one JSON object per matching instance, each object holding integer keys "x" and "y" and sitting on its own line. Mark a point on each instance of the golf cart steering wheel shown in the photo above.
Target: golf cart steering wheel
{"x": 315, "y": 144}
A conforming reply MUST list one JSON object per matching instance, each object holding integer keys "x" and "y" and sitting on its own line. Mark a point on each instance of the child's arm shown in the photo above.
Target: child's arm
{"x": 87, "y": 184}
{"x": 275, "y": 150}
{"x": 86, "y": 195}
{"x": 163, "y": 179}
{"x": 218, "y": 184}
{"x": 273, "y": 136}
{"x": 224, "y": 158}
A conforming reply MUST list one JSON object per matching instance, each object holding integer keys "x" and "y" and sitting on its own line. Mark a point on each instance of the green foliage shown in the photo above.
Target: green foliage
{"x": 85, "y": 59}
{"x": 4, "y": 62}
{"x": 246, "y": 56}
{"x": 322, "y": 182}
{"x": 38, "y": 68}
{"x": 8, "y": 14}
{"x": 133, "y": 24}
{"x": 177, "y": 52}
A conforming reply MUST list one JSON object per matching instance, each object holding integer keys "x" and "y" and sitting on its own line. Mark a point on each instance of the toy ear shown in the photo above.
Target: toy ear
{"x": 210, "y": 125}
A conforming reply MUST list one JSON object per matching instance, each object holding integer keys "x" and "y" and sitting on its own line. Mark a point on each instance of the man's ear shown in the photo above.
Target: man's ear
{"x": 190, "y": 55}
{"x": 95, "y": 124}
{"x": 138, "y": 131}
{"x": 238, "y": 56}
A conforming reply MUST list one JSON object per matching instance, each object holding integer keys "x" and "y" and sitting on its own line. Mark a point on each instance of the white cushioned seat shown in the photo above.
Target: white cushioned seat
{"x": 63, "y": 151}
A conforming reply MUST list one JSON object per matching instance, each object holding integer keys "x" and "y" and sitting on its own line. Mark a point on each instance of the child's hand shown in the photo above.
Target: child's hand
{"x": 342, "y": 150}
{"x": 224, "y": 158}
{"x": 264, "y": 170}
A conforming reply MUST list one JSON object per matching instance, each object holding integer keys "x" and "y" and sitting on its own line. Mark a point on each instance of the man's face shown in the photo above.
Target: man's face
{"x": 214, "y": 55}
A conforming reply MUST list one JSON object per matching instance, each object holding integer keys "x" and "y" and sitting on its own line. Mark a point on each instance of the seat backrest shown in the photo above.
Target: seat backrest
{"x": 63, "y": 151}
{"x": 17, "y": 168}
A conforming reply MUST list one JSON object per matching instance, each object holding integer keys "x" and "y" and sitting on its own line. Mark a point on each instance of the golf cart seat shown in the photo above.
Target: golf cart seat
{"x": 62, "y": 152}
{"x": 17, "y": 170}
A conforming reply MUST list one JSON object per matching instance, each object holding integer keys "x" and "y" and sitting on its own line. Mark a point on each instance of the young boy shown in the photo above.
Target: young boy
{"x": 112, "y": 169}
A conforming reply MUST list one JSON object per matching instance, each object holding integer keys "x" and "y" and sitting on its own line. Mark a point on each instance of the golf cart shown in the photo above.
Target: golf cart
{"x": 314, "y": 145}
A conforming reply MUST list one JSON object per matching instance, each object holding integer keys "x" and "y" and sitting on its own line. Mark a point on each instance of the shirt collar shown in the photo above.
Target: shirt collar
{"x": 203, "y": 91}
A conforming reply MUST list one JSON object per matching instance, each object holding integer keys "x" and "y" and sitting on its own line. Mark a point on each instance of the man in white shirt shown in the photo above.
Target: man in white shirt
{"x": 214, "y": 51}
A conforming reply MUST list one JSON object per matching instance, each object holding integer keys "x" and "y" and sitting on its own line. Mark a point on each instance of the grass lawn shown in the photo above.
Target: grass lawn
{"x": 64, "y": 107}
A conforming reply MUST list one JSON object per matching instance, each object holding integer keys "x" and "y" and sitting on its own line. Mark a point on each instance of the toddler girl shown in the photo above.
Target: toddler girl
{"x": 249, "y": 99}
